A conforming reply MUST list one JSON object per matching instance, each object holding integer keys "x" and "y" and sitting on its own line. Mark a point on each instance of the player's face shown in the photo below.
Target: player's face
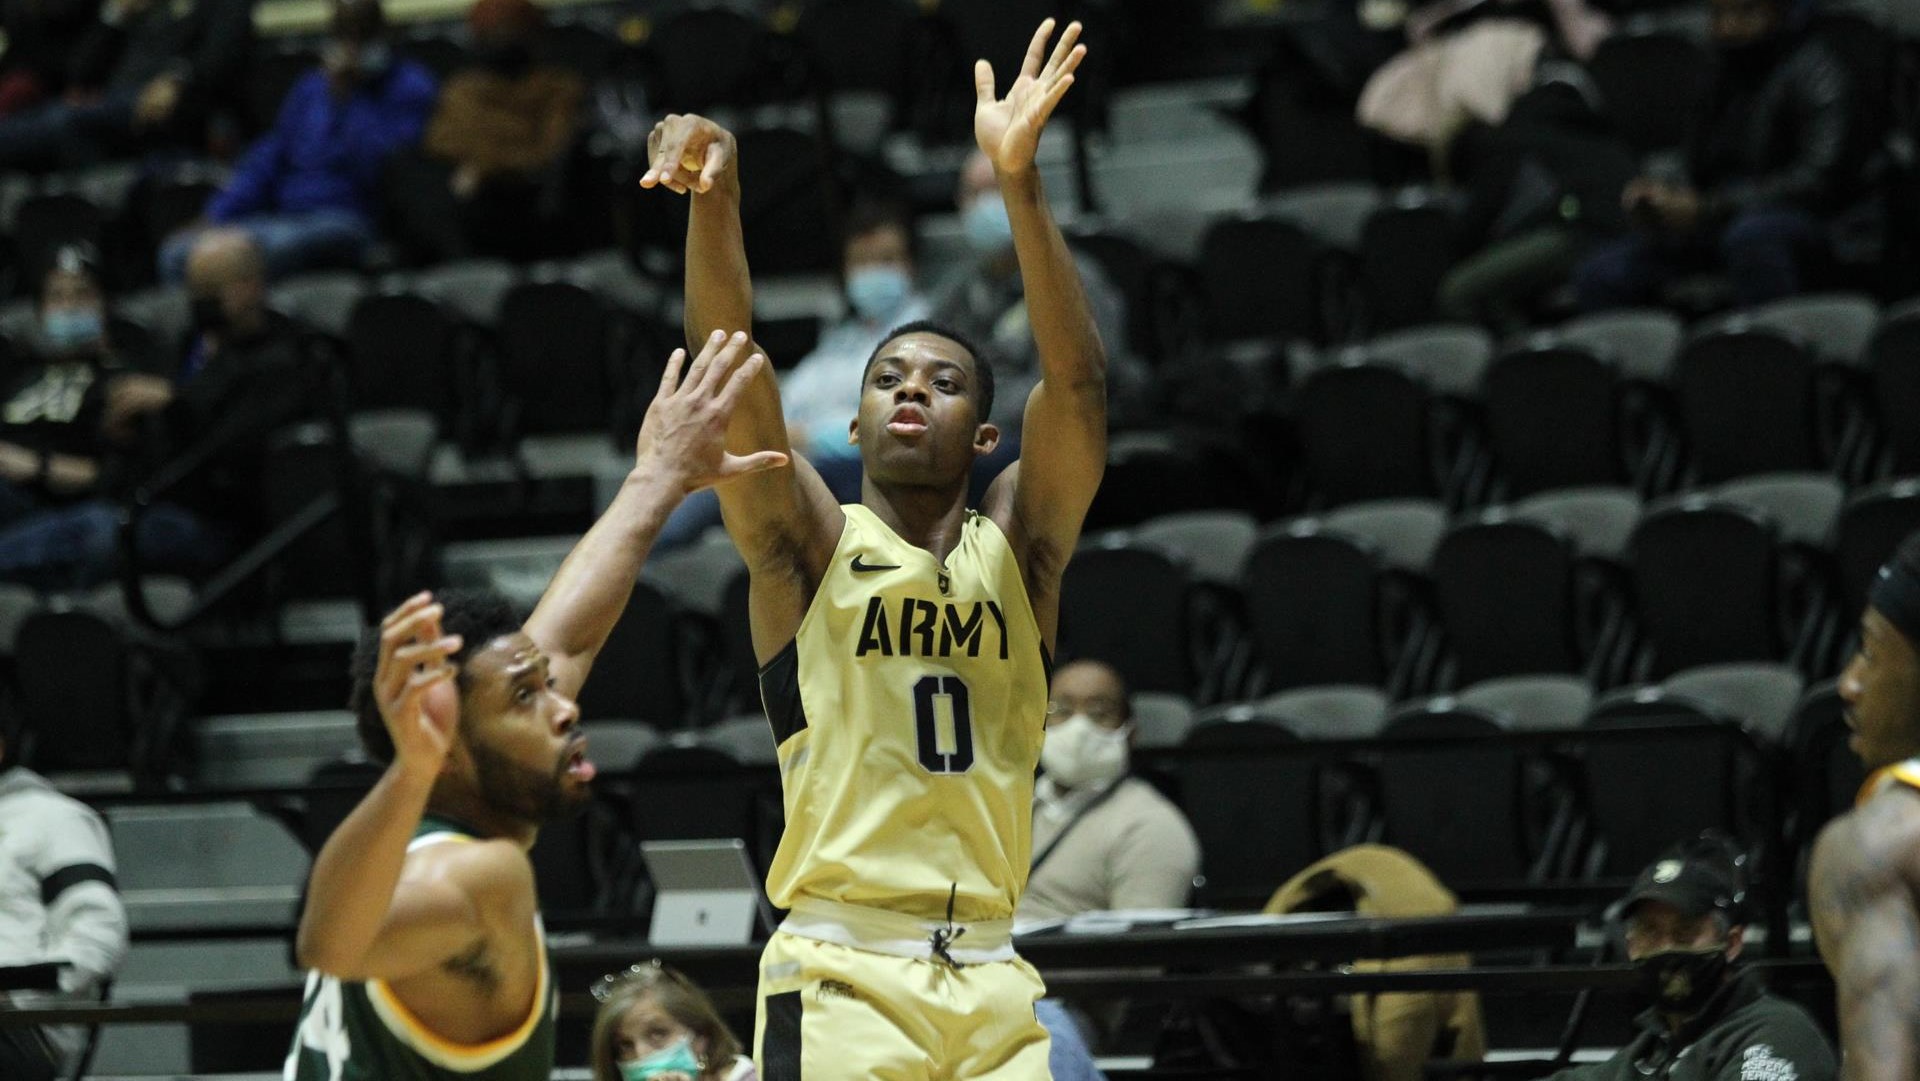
{"x": 1089, "y": 689}
{"x": 524, "y": 739}
{"x": 1657, "y": 927}
{"x": 917, "y": 422}
{"x": 647, "y": 1028}
{"x": 1881, "y": 688}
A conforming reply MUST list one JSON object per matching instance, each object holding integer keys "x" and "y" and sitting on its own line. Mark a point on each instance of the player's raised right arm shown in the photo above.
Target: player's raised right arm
{"x": 362, "y": 920}
{"x": 784, "y": 518}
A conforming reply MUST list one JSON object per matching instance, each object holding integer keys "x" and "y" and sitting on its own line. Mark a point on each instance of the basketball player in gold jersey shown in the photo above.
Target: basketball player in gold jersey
{"x": 904, "y": 639}
{"x": 1864, "y": 887}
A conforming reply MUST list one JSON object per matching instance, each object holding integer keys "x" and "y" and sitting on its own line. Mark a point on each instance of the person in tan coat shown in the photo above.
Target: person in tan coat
{"x": 497, "y": 142}
{"x": 1396, "y": 1033}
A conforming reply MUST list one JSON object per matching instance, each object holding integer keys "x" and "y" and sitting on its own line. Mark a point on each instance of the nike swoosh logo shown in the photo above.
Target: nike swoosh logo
{"x": 862, "y": 568}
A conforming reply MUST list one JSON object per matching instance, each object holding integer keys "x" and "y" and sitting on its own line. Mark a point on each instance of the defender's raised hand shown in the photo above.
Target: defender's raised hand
{"x": 688, "y": 153}
{"x": 685, "y": 433}
{"x": 414, "y": 685}
{"x": 1008, "y": 129}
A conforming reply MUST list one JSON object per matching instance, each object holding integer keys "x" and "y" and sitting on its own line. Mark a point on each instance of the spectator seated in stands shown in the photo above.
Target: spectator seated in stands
{"x": 1102, "y": 839}
{"x": 57, "y": 905}
{"x": 820, "y": 396}
{"x": 144, "y": 68}
{"x": 1684, "y": 933}
{"x": 306, "y": 190}
{"x": 490, "y": 177}
{"x": 1765, "y": 164}
{"x": 66, "y": 420}
{"x": 987, "y": 303}
{"x": 242, "y": 379}
{"x": 654, "y": 1024}
{"x": 1394, "y": 1034}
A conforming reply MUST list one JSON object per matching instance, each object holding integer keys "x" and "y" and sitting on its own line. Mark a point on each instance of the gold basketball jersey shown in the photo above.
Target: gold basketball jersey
{"x": 909, "y": 710}
{"x": 1906, "y": 773}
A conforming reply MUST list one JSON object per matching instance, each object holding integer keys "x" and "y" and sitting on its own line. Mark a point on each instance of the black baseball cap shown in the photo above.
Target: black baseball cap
{"x": 1693, "y": 881}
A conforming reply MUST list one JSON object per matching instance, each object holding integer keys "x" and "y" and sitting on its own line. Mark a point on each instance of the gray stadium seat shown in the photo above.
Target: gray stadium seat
{"x": 1836, "y": 326}
{"x": 1213, "y": 543}
{"x": 1161, "y": 719}
{"x": 1403, "y": 531}
{"x": 1597, "y": 520}
{"x": 1532, "y": 703}
{"x": 1328, "y": 712}
{"x": 1762, "y": 696}
{"x": 1804, "y": 505}
{"x": 1642, "y": 341}
{"x": 323, "y": 301}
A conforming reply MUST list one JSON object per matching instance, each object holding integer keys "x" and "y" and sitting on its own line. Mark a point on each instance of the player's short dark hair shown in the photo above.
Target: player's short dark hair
{"x": 477, "y": 616}
{"x": 982, "y": 363}
{"x": 868, "y": 216}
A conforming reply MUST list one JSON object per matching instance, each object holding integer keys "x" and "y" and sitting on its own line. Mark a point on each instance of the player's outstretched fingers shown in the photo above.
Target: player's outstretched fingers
{"x": 670, "y": 376}
{"x": 407, "y": 608}
{"x": 697, "y": 370}
{"x": 742, "y": 378}
{"x": 983, "y": 82}
{"x": 725, "y": 359}
{"x": 1037, "y": 49}
{"x": 1062, "y": 50}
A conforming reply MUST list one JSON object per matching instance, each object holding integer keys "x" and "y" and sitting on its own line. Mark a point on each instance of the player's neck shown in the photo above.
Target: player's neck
{"x": 470, "y": 811}
{"x": 928, "y": 518}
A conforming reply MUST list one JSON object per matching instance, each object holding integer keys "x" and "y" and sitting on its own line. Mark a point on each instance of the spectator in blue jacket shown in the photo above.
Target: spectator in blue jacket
{"x": 306, "y": 191}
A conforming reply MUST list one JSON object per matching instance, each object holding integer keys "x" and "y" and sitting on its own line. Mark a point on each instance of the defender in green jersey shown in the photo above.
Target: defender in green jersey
{"x": 422, "y": 930}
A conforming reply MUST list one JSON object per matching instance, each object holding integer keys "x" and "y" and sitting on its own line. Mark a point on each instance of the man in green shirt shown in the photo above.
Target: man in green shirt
{"x": 422, "y": 928}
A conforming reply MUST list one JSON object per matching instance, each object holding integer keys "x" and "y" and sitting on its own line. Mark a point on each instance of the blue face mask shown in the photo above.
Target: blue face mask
{"x": 68, "y": 329}
{"x": 989, "y": 230}
{"x": 678, "y": 1058}
{"x": 878, "y": 291}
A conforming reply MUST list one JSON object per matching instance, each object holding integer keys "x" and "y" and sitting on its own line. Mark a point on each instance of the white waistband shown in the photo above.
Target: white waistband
{"x": 880, "y": 931}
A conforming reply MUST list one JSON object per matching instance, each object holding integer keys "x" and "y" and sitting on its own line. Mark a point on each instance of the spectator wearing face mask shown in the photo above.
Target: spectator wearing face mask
{"x": 654, "y": 1024}
{"x": 1708, "y": 1018}
{"x": 489, "y": 177}
{"x": 306, "y": 190}
{"x": 820, "y": 396}
{"x": 1102, "y": 839}
{"x": 988, "y": 303}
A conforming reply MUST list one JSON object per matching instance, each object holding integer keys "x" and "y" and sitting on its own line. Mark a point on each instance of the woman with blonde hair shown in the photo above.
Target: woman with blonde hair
{"x": 656, "y": 1025}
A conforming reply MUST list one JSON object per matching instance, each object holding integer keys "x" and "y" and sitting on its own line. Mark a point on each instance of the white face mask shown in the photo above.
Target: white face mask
{"x": 1079, "y": 751}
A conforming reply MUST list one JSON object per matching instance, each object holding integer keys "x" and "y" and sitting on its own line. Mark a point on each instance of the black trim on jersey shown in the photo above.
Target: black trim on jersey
{"x": 780, "y": 693}
{"x": 1046, "y": 661}
{"x": 780, "y": 1047}
{"x": 66, "y": 878}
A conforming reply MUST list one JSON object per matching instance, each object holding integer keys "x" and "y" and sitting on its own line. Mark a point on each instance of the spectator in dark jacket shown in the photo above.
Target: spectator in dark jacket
{"x": 1708, "y": 1018}
{"x": 143, "y": 68}
{"x": 487, "y": 180}
{"x": 306, "y": 190}
{"x": 1767, "y": 162}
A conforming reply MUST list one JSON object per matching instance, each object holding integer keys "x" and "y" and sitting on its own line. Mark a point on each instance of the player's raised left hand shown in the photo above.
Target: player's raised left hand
{"x": 1008, "y": 129}
{"x": 684, "y": 436}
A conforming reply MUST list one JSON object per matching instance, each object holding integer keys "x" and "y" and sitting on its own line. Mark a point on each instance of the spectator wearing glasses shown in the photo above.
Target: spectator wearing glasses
{"x": 655, "y": 1024}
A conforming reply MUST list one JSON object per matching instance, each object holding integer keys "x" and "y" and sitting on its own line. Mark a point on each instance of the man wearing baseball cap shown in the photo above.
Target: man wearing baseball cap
{"x": 1707, "y": 1017}
{"x": 1866, "y": 866}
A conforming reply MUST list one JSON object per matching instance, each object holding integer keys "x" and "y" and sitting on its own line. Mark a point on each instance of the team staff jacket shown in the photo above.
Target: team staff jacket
{"x": 1744, "y": 1034}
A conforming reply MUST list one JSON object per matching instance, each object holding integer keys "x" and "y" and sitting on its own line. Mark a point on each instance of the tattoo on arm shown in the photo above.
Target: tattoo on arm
{"x": 474, "y": 965}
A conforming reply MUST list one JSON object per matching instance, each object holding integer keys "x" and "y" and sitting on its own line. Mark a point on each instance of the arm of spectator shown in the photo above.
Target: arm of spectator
{"x": 86, "y": 923}
{"x": 1154, "y": 864}
{"x": 249, "y": 190}
{"x": 1822, "y": 109}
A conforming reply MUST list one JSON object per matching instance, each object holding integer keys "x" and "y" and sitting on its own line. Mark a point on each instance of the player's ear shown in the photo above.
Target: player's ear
{"x": 853, "y": 432}
{"x": 985, "y": 438}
